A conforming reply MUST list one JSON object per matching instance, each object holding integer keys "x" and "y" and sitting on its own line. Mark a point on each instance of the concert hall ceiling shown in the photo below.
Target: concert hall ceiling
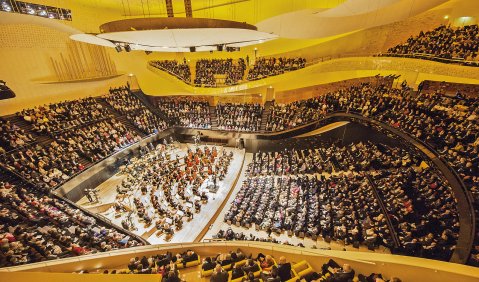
{"x": 307, "y": 20}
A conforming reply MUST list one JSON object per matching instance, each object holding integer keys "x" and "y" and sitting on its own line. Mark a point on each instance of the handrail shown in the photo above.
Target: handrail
{"x": 432, "y": 58}
{"x": 384, "y": 210}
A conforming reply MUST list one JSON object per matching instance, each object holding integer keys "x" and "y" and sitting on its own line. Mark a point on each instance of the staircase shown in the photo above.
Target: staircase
{"x": 213, "y": 117}
{"x": 7, "y": 176}
{"x": 246, "y": 71}
{"x": 192, "y": 71}
{"x": 118, "y": 116}
{"x": 20, "y": 122}
{"x": 265, "y": 115}
{"x": 142, "y": 97}
{"x": 28, "y": 128}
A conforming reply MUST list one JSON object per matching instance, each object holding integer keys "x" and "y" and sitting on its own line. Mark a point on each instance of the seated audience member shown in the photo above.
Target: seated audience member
{"x": 219, "y": 275}
{"x": 208, "y": 264}
{"x": 266, "y": 263}
{"x": 236, "y": 271}
{"x": 237, "y": 256}
{"x": 250, "y": 266}
{"x": 250, "y": 278}
{"x": 172, "y": 277}
{"x": 344, "y": 274}
{"x": 284, "y": 269}
{"x": 272, "y": 276}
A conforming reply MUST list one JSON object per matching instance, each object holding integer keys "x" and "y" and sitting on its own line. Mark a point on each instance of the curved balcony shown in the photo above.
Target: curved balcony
{"x": 406, "y": 268}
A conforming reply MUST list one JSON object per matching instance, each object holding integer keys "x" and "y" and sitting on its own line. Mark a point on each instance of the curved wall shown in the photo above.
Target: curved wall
{"x": 158, "y": 83}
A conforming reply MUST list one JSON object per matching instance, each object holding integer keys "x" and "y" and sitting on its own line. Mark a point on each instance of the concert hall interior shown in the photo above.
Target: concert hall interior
{"x": 239, "y": 140}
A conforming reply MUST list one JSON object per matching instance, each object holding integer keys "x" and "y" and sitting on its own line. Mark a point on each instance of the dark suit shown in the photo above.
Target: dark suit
{"x": 284, "y": 271}
{"x": 219, "y": 277}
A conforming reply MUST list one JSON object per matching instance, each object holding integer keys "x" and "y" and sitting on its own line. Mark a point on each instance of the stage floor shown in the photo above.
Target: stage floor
{"x": 107, "y": 194}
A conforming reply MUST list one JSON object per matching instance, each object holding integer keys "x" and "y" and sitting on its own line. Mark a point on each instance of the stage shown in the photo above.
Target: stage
{"x": 191, "y": 229}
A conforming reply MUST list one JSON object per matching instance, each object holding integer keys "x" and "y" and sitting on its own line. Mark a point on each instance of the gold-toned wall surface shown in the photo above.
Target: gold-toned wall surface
{"x": 406, "y": 268}
{"x": 27, "y": 52}
{"x": 62, "y": 277}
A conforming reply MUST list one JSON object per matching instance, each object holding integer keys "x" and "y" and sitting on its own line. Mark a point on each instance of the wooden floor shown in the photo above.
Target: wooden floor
{"x": 107, "y": 194}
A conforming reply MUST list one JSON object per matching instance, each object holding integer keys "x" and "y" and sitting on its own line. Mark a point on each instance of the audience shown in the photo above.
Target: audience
{"x": 180, "y": 70}
{"x": 239, "y": 117}
{"x": 219, "y": 275}
{"x": 443, "y": 42}
{"x": 12, "y": 136}
{"x": 207, "y": 71}
{"x": 448, "y": 124}
{"x": 224, "y": 72}
{"x": 54, "y": 118}
{"x": 324, "y": 192}
{"x": 264, "y": 67}
{"x": 36, "y": 227}
{"x": 123, "y": 101}
{"x": 45, "y": 166}
{"x": 99, "y": 140}
{"x": 187, "y": 113}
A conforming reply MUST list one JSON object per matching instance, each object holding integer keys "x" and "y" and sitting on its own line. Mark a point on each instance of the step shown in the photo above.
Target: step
{"x": 23, "y": 124}
{"x": 265, "y": 115}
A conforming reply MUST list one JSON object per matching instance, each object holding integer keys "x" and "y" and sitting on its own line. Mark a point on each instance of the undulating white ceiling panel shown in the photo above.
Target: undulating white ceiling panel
{"x": 356, "y": 7}
{"x": 311, "y": 24}
{"x": 91, "y": 39}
